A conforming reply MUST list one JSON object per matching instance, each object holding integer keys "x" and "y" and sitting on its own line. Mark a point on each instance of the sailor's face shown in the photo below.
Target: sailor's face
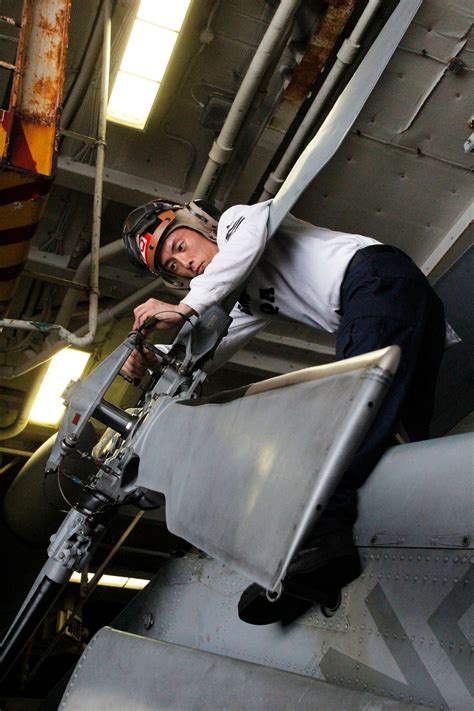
{"x": 187, "y": 253}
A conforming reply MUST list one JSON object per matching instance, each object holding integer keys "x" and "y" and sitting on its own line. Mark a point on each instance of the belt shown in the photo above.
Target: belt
{"x": 365, "y": 252}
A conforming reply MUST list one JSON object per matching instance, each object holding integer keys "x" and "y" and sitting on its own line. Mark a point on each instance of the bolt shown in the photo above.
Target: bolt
{"x": 456, "y": 65}
{"x": 148, "y": 620}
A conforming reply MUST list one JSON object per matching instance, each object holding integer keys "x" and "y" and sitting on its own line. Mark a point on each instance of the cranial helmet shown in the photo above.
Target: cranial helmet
{"x": 146, "y": 228}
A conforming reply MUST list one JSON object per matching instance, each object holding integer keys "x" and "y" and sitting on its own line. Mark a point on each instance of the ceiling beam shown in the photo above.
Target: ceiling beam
{"x": 278, "y": 356}
{"x": 119, "y": 187}
{"x": 114, "y": 281}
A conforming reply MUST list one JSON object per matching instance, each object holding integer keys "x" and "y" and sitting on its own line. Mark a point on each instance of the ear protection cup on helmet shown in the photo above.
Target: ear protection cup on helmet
{"x": 141, "y": 220}
{"x": 143, "y": 241}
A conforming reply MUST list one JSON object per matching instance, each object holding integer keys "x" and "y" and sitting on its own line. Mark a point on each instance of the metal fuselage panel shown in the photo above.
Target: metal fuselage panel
{"x": 405, "y": 628}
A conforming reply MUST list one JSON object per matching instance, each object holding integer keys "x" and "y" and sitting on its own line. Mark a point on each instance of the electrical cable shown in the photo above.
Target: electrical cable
{"x": 153, "y": 318}
{"x": 48, "y": 500}
{"x": 166, "y": 311}
{"x": 59, "y": 474}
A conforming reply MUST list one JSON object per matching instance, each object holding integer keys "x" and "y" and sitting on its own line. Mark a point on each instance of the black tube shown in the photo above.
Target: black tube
{"x": 24, "y": 627}
{"x": 114, "y": 417}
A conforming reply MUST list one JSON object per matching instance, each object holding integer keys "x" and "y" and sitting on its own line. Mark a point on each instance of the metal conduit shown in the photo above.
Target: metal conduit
{"x": 98, "y": 186}
{"x": 72, "y": 295}
{"x": 82, "y": 82}
{"x": 54, "y": 343}
{"x": 104, "y": 317}
{"x": 223, "y": 146}
{"x": 345, "y": 56}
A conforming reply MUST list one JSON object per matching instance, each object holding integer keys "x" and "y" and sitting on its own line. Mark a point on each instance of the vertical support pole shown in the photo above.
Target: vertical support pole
{"x": 38, "y": 84}
{"x": 28, "y": 131}
{"x": 99, "y": 176}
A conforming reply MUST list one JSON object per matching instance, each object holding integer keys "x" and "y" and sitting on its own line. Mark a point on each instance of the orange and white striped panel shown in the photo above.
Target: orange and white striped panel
{"x": 22, "y": 201}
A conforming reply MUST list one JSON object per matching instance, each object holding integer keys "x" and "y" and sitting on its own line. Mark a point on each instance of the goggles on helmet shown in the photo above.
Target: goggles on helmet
{"x": 147, "y": 227}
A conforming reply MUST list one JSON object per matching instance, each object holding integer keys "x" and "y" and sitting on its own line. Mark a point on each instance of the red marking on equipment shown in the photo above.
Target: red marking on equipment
{"x": 6, "y": 120}
{"x": 20, "y": 153}
{"x": 76, "y": 418}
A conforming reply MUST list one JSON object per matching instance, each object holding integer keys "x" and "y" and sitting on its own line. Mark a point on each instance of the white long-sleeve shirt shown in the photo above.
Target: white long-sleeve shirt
{"x": 295, "y": 275}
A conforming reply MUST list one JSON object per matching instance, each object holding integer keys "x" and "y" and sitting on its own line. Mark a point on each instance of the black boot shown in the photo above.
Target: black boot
{"x": 256, "y": 609}
{"x": 316, "y": 575}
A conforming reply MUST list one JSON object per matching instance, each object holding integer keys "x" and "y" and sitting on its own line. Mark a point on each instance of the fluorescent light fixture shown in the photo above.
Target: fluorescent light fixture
{"x": 65, "y": 366}
{"x": 164, "y": 13}
{"x": 114, "y": 581}
{"x": 151, "y": 42}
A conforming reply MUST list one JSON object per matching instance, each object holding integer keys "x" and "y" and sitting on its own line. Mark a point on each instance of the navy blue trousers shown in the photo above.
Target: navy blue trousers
{"x": 386, "y": 300}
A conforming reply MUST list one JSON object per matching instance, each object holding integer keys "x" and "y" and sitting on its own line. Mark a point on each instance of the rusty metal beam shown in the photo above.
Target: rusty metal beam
{"x": 319, "y": 49}
{"x": 28, "y": 131}
{"x": 38, "y": 84}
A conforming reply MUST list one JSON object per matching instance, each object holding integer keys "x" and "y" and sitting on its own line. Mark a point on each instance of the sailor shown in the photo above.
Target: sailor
{"x": 371, "y": 294}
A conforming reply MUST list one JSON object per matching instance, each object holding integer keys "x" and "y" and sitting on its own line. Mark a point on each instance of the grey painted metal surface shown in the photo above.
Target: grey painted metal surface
{"x": 405, "y": 628}
{"x": 455, "y": 387}
{"x": 421, "y": 495}
{"x": 401, "y": 175}
{"x": 241, "y": 489}
{"x": 166, "y": 676}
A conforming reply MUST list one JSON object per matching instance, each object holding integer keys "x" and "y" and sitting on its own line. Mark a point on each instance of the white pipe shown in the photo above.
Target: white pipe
{"x": 104, "y": 317}
{"x": 59, "y": 329}
{"x": 345, "y": 56}
{"x": 223, "y": 146}
{"x": 98, "y": 186}
{"x": 72, "y": 295}
{"x": 83, "y": 80}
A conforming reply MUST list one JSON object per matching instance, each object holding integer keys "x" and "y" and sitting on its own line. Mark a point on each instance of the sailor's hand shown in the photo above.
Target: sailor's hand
{"x": 137, "y": 363}
{"x": 166, "y": 315}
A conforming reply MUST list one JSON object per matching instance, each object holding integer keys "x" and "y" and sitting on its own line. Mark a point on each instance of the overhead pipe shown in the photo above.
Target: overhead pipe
{"x": 345, "y": 56}
{"x": 98, "y": 187}
{"x": 62, "y": 332}
{"x": 106, "y": 315}
{"x": 223, "y": 146}
{"x": 72, "y": 295}
{"x": 82, "y": 81}
{"x": 54, "y": 343}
